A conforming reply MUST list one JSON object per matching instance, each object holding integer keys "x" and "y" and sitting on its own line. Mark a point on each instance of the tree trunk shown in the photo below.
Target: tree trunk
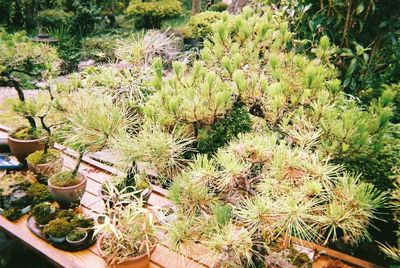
{"x": 236, "y": 6}
{"x": 195, "y": 7}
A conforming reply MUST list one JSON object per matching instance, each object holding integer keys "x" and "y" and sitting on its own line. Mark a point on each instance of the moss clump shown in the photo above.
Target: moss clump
{"x": 39, "y": 157}
{"x": 43, "y": 213}
{"x": 27, "y": 134}
{"x": 76, "y": 235}
{"x": 67, "y": 215}
{"x": 65, "y": 179}
{"x": 58, "y": 228}
{"x": 39, "y": 193}
{"x": 12, "y": 180}
{"x": 80, "y": 222}
{"x": 12, "y": 214}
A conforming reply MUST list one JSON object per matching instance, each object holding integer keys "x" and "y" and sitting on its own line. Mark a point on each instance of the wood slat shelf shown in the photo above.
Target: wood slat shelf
{"x": 97, "y": 173}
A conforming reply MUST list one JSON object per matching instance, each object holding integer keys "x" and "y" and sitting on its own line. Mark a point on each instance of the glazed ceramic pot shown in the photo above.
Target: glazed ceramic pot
{"x": 48, "y": 169}
{"x": 78, "y": 242}
{"x": 141, "y": 261}
{"x": 22, "y": 148}
{"x": 66, "y": 196}
{"x": 57, "y": 239}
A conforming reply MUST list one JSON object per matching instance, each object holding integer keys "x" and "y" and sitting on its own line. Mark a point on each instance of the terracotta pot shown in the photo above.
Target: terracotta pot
{"x": 48, "y": 169}
{"x": 66, "y": 196}
{"x": 22, "y": 148}
{"x": 141, "y": 261}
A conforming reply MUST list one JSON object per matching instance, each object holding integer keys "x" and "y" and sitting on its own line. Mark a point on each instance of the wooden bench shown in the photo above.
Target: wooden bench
{"x": 91, "y": 204}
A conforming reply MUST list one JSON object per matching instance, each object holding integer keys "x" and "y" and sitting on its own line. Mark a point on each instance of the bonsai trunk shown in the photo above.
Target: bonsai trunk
{"x": 48, "y": 130}
{"x": 17, "y": 86}
{"x": 78, "y": 163}
{"x": 195, "y": 6}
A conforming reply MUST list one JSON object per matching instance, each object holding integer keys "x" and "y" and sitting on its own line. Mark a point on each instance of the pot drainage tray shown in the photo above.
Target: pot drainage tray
{"x": 89, "y": 241}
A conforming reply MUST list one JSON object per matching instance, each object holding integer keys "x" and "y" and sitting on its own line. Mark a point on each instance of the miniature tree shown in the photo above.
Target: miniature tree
{"x": 21, "y": 57}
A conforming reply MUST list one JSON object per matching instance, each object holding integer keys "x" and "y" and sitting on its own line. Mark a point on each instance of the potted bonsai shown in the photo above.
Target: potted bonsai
{"x": 125, "y": 189}
{"x": 21, "y": 57}
{"x": 127, "y": 236}
{"x": 43, "y": 213}
{"x": 57, "y": 230}
{"x": 77, "y": 237}
{"x": 91, "y": 121}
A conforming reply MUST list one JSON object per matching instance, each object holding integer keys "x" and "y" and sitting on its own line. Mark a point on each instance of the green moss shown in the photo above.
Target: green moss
{"x": 81, "y": 222}
{"x": 58, "y": 228}
{"x": 22, "y": 179}
{"x": 27, "y": 134}
{"x": 76, "y": 235}
{"x": 68, "y": 215}
{"x": 39, "y": 157}
{"x": 12, "y": 214}
{"x": 65, "y": 179}
{"x": 39, "y": 193}
{"x": 43, "y": 213}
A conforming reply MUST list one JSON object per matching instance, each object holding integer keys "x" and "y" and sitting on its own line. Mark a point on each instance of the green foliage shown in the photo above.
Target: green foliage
{"x": 12, "y": 214}
{"x": 79, "y": 221}
{"x": 76, "y": 235}
{"x": 39, "y": 193}
{"x": 39, "y": 157}
{"x": 100, "y": 48}
{"x": 65, "y": 179}
{"x": 43, "y": 213}
{"x": 219, "y": 7}
{"x": 223, "y": 130}
{"x": 200, "y": 25}
{"x": 150, "y": 14}
{"x": 57, "y": 228}
{"x": 87, "y": 15}
{"x": 54, "y": 18}
{"x": 365, "y": 33}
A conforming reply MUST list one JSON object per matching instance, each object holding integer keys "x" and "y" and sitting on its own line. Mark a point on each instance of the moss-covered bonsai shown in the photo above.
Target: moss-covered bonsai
{"x": 43, "y": 213}
{"x": 57, "y": 230}
{"x": 76, "y": 237}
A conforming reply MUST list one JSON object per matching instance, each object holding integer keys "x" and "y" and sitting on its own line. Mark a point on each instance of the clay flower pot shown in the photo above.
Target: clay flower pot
{"x": 141, "y": 261}
{"x": 66, "y": 196}
{"x": 22, "y": 148}
{"x": 48, "y": 169}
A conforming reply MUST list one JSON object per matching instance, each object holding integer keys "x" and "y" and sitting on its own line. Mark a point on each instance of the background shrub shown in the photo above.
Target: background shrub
{"x": 54, "y": 18}
{"x": 100, "y": 48}
{"x": 219, "y": 7}
{"x": 200, "y": 24}
{"x": 151, "y": 14}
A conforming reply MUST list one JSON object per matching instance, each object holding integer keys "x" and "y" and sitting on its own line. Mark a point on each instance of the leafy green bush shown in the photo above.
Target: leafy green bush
{"x": 43, "y": 212}
{"x": 150, "y": 14}
{"x": 218, "y": 134}
{"x": 219, "y": 7}
{"x": 201, "y": 24}
{"x": 53, "y": 18}
{"x": 100, "y": 48}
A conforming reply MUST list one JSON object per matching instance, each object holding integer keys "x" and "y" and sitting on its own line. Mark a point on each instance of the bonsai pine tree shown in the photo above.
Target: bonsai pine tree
{"x": 92, "y": 120}
{"x": 21, "y": 58}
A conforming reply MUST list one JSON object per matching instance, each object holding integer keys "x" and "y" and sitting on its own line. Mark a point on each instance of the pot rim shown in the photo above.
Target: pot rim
{"x": 59, "y": 159}
{"x": 84, "y": 180}
{"x": 23, "y": 141}
{"x": 100, "y": 239}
